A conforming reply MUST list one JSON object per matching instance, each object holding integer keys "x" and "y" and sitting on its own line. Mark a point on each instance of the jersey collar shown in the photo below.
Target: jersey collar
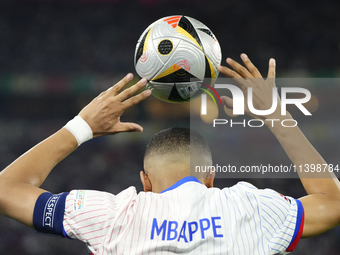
{"x": 182, "y": 181}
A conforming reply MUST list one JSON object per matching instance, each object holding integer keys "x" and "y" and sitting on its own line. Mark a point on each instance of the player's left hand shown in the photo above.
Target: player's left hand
{"x": 249, "y": 76}
{"x": 103, "y": 113}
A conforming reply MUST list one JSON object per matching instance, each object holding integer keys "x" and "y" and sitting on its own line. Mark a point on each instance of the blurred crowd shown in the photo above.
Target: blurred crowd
{"x": 71, "y": 37}
{"x": 55, "y": 56}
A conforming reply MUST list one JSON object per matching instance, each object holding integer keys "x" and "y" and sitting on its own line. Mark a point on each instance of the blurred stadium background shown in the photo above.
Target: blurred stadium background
{"x": 55, "y": 56}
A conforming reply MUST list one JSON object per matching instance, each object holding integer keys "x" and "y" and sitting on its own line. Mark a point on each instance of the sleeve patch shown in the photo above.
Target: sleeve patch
{"x": 48, "y": 213}
{"x": 79, "y": 202}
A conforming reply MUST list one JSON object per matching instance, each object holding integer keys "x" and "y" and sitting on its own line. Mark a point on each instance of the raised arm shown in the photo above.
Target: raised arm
{"x": 20, "y": 181}
{"x": 322, "y": 204}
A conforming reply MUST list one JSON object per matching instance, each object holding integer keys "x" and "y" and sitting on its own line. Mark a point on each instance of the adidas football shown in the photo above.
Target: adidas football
{"x": 179, "y": 56}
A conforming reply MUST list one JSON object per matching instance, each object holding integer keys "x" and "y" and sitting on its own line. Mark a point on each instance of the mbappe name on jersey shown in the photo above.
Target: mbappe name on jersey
{"x": 171, "y": 230}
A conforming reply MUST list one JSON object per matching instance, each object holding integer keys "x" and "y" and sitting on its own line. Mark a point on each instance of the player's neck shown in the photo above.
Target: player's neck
{"x": 162, "y": 183}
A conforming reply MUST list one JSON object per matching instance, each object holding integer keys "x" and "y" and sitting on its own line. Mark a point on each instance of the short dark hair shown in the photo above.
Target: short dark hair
{"x": 178, "y": 141}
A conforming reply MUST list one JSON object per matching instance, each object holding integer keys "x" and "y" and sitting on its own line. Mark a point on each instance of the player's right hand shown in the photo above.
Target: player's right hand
{"x": 103, "y": 113}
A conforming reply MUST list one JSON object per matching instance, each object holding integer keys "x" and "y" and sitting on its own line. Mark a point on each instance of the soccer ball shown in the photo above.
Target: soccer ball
{"x": 179, "y": 56}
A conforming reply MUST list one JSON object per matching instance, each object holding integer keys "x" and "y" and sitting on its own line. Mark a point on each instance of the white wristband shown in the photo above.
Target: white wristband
{"x": 80, "y": 129}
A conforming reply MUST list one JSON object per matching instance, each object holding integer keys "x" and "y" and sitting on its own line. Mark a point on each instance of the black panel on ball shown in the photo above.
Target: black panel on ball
{"x": 207, "y": 31}
{"x": 187, "y": 26}
{"x": 207, "y": 74}
{"x": 179, "y": 76}
{"x": 139, "y": 52}
{"x": 174, "y": 96}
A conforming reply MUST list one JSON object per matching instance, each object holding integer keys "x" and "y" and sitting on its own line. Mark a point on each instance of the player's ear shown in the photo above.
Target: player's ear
{"x": 209, "y": 179}
{"x": 145, "y": 181}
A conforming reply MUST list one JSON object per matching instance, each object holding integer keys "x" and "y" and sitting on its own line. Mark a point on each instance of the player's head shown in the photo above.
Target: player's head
{"x": 173, "y": 153}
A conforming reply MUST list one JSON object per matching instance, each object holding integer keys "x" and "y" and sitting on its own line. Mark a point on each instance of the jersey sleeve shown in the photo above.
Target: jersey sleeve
{"x": 85, "y": 215}
{"x": 90, "y": 215}
{"x": 282, "y": 220}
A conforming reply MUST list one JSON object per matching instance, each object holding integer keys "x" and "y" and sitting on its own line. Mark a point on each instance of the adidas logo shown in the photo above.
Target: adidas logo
{"x": 173, "y": 21}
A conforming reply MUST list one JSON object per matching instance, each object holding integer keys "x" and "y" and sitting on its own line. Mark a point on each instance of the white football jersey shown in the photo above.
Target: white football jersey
{"x": 186, "y": 218}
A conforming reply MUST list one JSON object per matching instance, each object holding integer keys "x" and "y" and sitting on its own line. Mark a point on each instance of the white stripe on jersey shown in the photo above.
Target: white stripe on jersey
{"x": 188, "y": 218}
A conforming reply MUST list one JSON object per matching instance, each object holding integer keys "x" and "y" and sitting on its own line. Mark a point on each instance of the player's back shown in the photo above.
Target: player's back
{"x": 190, "y": 218}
